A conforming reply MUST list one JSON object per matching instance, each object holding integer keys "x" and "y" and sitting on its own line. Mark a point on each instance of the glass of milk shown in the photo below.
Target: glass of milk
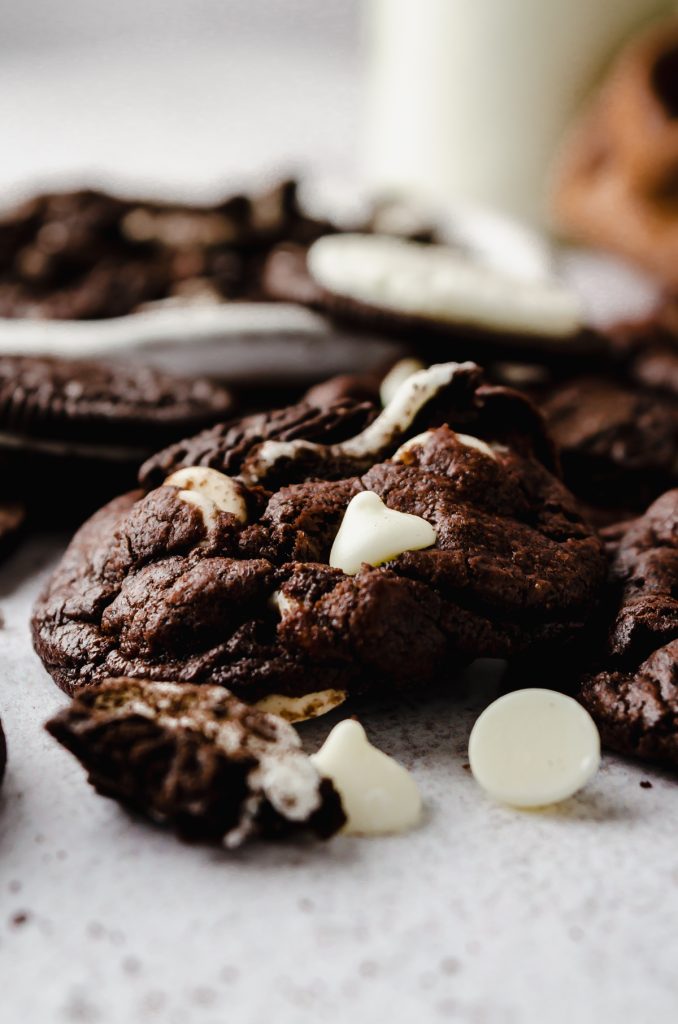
{"x": 467, "y": 100}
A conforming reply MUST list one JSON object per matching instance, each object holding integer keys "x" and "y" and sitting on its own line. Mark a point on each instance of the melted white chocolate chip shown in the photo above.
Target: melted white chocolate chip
{"x": 378, "y": 795}
{"x": 370, "y": 532}
{"x": 534, "y": 747}
{"x": 396, "y": 376}
{"x": 210, "y": 491}
{"x": 299, "y": 709}
{"x": 438, "y": 283}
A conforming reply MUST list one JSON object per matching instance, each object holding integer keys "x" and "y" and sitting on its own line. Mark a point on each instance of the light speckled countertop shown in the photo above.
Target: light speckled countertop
{"x": 483, "y": 915}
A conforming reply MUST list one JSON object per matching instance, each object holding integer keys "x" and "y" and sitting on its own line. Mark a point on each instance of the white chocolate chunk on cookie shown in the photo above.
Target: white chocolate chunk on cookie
{"x": 534, "y": 747}
{"x": 210, "y": 490}
{"x": 378, "y": 795}
{"x": 370, "y": 532}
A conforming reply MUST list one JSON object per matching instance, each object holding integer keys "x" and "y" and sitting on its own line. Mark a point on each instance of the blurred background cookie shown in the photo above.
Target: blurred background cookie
{"x": 616, "y": 184}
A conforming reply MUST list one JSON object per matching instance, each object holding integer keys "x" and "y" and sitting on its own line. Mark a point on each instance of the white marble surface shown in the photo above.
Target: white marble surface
{"x": 483, "y": 915}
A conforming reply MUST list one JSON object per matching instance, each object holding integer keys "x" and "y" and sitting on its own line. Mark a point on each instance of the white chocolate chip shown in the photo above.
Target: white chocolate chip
{"x": 398, "y": 373}
{"x": 378, "y": 795}
{"x": 207, "y": 507}
{"x": 534, "y": 747}
{"x": 436, "y": 282}
{"x": 210, "y": 490}
{"x": 370, "y": 532}
{"x": 298, "y": 709}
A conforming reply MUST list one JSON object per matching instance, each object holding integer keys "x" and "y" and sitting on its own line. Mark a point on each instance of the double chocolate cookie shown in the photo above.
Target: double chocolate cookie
{"x": 221, "y": 570}
{"x": 618, "y": 439}
{"x": 73, "y": 432}
{"x": 631, "y": 689}
{"x": 86, "y": 254}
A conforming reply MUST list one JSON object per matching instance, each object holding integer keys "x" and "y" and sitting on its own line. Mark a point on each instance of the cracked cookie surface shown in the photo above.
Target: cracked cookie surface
{"x": 633, "y": 696}
{"x": 152, "y": 587}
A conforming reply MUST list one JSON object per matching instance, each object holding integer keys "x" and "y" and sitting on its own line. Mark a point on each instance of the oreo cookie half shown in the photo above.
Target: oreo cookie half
{"x": 443, "y": 302}
{"x": 72, "y": 431}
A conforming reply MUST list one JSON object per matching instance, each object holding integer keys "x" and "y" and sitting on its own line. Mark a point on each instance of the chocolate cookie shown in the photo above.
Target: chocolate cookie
{"x": 221, "y": 570}
{"x": 87, "y": 254}
{"x": 197, "y": 759}
{"x": 618, "y": 440}
{"x": 632, "y": 687}
{"x": 441, "y": 301}
{"x": 78, "y": 430}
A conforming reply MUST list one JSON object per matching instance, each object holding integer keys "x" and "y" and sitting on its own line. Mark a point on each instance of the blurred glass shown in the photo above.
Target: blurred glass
{"x": 468, "y": 99}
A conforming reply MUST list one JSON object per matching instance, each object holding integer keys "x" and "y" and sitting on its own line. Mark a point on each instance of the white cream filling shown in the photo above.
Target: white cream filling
{"x": 439, "y": 284}
{"x": 398, "y": 373}
{"x": 399, "y": 414}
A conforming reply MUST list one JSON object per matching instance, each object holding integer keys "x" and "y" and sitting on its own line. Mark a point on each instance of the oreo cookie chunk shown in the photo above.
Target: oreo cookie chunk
{"x": 197, "y": 759}
{"x": 227, "y": 567}
{"x": 440, "y": 300}
{"x": 631, "y": 690}
{"x": 77, "y": 431}
{"x": 618, "y": 440}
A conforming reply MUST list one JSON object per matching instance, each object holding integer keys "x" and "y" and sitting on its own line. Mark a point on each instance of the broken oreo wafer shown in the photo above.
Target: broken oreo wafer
{"x": 197, "y": 759}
